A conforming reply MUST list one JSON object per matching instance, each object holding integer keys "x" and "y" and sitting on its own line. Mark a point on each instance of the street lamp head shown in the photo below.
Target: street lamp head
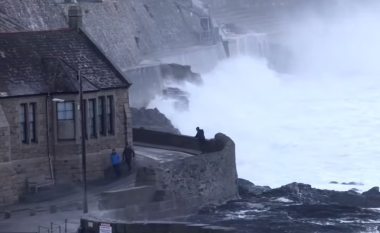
{"x": 58, "y": 100}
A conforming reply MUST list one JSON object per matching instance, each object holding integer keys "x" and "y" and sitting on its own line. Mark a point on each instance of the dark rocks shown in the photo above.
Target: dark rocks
{"x": 372, "y": 192}
{"x": 180, "y": 97}
{"x": 152, "y": 119}
{"x": 304, "y": 193}
{"x": 372, "y": 197}
{"x": 309, "y": 210}
{"x": 247, "y": 188}
{"x": 180, "y": 74}
{"x": 349, "y": 183}
{"x": 352, "y": 183}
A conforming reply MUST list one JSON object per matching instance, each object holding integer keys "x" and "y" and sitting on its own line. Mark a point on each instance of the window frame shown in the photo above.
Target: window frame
{"x": 101, "y": 116}
{"x": 92, "y": 121}
{"x": 32, "y": 121}
{"x": 110, "y": 122}
{"x": 72, "y": 102}
{"x": 28, "y": 122}
{"x": 23, "y": 111}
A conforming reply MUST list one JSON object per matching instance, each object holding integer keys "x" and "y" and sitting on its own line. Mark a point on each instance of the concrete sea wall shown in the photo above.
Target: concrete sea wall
{"x": 212, "y": 175}
{"x": 178, "y": 188}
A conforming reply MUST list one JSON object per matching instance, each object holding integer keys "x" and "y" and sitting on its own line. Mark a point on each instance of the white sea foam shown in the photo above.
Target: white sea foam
{"x": 319, "y": 125}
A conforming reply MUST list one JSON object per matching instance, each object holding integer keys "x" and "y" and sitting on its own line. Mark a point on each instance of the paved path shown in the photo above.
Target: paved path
{"x": 21, "y": 221}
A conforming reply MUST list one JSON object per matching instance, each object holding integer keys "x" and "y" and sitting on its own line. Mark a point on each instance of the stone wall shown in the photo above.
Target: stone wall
{"x": 23, "y": 160}
{"x": 20, "y": 161}
{"x": 90, "y": 225}
{"x": 68, "y": 162}
{"x": 125, "y": 30}
{"x": 160, "y": 138}
{"x": 5, "y": 144}
{"x": 212, "y": 176}
{"x": 178, "y": 188}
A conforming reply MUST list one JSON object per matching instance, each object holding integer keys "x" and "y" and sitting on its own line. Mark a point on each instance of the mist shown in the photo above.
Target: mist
{"x": 317, "y": 125}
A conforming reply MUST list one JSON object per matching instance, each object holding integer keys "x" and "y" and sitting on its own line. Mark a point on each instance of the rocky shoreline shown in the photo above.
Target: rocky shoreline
{"x": 296, "y": 208}
{"x": 152, "y": 119}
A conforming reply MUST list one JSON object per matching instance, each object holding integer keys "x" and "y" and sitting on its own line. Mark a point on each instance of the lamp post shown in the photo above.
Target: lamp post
{"x": 84, "y": 165}
{"x": 83, "y": 139}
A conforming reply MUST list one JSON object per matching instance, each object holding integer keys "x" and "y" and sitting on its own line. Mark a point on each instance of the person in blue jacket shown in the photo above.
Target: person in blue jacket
{"x": 115, "y": 159}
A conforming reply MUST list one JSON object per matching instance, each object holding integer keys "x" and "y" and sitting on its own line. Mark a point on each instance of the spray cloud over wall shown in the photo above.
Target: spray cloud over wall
{"x": 320, "y": 124}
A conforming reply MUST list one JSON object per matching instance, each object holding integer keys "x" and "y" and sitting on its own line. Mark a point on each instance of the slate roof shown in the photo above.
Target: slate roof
{"x": 8, "y": 24}
{"x": 39, "y": 62}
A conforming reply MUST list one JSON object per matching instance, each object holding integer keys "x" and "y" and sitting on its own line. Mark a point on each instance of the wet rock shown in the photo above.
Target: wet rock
{"x": 373, "y": 201}
{"x": 181, "y": 98}
{"x": 248, "y": 189}
{"x": 352, "y": 183}
{"x": 372, "y": 197}
{"x": 312, "y": 210}
{"x": 304, "y": 193}
{"x": 372, "y": 192}
{"x": 348, "y": 198}
{"x": 180, "y": 74}
{"x": 152, "y": 119}
{"x": 354, "y": 190}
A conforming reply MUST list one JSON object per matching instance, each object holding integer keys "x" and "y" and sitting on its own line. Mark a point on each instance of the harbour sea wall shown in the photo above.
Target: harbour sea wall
{"x": 176, "y": 188}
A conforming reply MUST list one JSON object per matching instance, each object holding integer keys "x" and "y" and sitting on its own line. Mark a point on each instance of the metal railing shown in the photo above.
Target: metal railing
{"x": 61, "y": 227}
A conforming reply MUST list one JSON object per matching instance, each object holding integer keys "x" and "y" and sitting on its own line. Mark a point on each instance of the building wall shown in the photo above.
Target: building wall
{"x": 25, "y": 160}
{"x": 67, "y": 154}
{"x": 20, "y": 161}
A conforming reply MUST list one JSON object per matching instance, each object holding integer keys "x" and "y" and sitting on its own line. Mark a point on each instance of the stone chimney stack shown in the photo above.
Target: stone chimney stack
{"x": 75, "y": 17}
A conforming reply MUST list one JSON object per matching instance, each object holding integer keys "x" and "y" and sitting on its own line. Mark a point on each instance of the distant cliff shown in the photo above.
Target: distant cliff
{"x": 126, "y": 30}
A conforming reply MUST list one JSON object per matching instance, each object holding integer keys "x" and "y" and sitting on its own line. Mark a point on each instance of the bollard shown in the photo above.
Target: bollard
{"x": 32, "y": 212}
{"x": 53, "y": 209}
{"x": 7, "y": 215}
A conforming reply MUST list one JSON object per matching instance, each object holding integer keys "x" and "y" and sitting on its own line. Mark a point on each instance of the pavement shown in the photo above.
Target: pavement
{"x": 69, "y": 208}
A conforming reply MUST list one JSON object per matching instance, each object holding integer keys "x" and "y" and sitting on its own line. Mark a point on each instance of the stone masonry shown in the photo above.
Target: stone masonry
{"x": 212, "y": 176}
{"x": 20, "y": 161}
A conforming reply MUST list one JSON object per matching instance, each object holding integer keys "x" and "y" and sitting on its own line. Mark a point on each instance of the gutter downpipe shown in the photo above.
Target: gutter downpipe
{"x": 48, "y": 138}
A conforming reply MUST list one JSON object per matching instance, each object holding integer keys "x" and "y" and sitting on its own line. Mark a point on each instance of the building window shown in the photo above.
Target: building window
{"x": 32, "y": 122}
{"x": 66, "y": 123}
{"x": 101, "y": 125}
{"x": 109, "y": 114}
{"x": 23, "y": 128}
{"x": 91, "y": 118}
{"x": 28, "y": 122}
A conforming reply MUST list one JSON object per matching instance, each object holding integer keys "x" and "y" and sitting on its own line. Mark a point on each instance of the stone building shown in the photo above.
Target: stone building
{"x": 40, "y": 121}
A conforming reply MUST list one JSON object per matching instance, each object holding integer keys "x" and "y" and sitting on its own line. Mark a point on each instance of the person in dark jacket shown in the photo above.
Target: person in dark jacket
{"x": 115, "y": 159}
{"x": 127, "y": 156}
{"x": 201, "y": 139}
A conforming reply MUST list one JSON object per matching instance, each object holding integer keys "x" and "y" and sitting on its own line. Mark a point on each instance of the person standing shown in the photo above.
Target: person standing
{"x": 127, "y": 156}
{"x": 115, "y": 159}
{"x": 201, "y": 139}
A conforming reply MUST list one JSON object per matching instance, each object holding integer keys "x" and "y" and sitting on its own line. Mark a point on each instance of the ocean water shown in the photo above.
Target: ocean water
{"x": 319, "y": 124}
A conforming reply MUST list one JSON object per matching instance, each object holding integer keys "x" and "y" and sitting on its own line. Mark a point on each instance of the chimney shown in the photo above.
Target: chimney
{"x": 75, "y": 17}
